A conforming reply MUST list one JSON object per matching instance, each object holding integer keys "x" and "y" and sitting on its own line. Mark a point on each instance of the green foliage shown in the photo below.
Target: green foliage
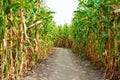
{"x": 26, "y": 36}
{"x": 64, "y": 36}
{"x": 95, "y": 28}
{"x": 27, "y": 33}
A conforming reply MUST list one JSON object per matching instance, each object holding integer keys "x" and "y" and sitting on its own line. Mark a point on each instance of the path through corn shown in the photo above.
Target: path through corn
{"x": 62, "y": 64}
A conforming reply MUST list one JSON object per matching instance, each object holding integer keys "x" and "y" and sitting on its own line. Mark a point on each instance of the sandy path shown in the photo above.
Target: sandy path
{"x": 62, "y": 64}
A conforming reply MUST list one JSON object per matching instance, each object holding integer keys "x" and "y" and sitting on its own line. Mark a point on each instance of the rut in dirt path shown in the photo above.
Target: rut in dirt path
{"x": 62, "y": 64}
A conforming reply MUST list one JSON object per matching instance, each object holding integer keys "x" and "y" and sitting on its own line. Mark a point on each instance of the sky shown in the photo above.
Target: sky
{"x": 64, "y": 10}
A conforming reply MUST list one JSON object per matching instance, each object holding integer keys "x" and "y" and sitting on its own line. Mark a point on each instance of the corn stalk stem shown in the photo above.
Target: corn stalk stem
{"x": 32, "y": 25}
{"x": 25, "y": 27}
{"x": 21, "y": 49}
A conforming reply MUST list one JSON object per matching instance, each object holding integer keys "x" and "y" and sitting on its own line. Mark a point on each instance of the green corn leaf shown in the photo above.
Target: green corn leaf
{"x": 11, "y": 22}
{"x": 105, "y": 35}
{"x": 12, "y": 6}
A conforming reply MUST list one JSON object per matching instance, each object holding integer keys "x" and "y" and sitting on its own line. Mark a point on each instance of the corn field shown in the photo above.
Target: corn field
{"x": 95, "y": 35}
{"x": 24, "y": 36}
{"x": 64, "y": 37}
{"x": 28, "y": 33}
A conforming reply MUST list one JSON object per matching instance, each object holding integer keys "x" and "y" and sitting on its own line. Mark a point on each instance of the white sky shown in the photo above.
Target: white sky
{"x": 64, "y": 10}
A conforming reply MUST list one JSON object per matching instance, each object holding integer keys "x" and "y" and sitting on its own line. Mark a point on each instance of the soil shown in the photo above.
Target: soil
{"x": 62, "y": 64}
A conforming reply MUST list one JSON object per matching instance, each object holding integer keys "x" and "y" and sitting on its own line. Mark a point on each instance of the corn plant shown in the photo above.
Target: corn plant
{"x": 24, "y": 36}
{"x": 96, "y": 33}
{"x": 64, "y": 36}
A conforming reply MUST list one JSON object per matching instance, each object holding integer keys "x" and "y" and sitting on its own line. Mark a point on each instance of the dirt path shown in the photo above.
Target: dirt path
{"x": 63, "y": 65}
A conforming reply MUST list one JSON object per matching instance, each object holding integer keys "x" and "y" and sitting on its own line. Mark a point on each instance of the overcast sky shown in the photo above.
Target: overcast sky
{"x": 64, "y": 10}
